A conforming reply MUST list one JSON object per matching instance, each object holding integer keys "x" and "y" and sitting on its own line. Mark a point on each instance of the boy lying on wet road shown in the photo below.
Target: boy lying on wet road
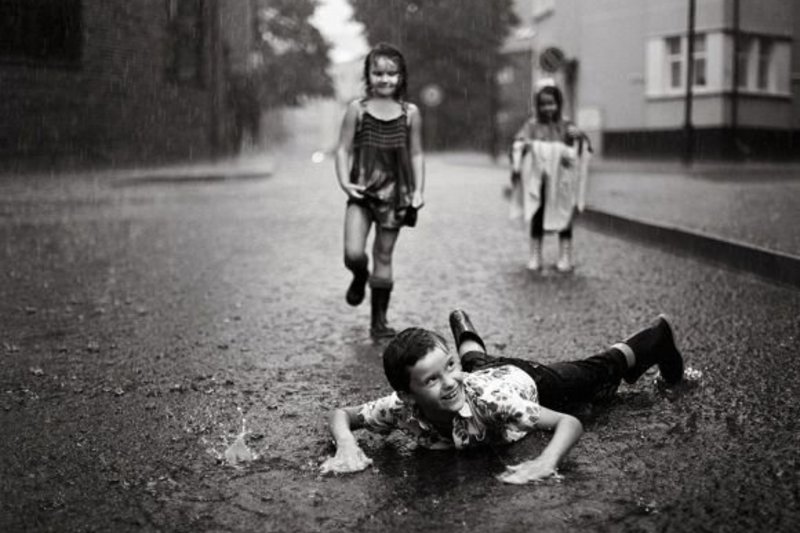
{"x": 469, "y": 398}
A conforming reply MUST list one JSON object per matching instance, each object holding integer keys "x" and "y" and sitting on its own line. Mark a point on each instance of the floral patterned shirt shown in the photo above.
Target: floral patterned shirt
{"x": 501, "y": 406}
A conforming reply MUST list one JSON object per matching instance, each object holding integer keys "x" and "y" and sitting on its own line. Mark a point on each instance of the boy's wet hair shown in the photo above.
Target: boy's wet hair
{"x": 390, "y": 52}
{"x": 557, "y": 95}
{"x": 403, "y": 352}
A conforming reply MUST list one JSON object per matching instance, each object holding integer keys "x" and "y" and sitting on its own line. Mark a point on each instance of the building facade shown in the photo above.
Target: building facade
{"x": 626, "y": 71}
{"x": 114, "y": 82}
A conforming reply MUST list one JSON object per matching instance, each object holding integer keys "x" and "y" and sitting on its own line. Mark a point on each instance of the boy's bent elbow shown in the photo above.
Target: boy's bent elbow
{"x": 575, "y": 425}
{"x": 578, "y": 427}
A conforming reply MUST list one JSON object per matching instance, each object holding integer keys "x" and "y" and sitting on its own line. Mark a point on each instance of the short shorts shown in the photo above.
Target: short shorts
{"x": 383, "y": 214}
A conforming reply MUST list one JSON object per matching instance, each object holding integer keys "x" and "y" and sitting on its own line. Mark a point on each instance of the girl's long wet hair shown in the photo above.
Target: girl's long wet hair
{"x": 389, "y": 52}
{"x": 555, "y": 92}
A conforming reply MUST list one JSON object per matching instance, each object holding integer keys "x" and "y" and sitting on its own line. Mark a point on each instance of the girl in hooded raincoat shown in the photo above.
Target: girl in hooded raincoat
{"x": 549, "y": 160}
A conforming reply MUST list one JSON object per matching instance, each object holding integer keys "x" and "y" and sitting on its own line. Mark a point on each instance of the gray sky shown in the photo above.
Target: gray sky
{"x": 332, "y": 20}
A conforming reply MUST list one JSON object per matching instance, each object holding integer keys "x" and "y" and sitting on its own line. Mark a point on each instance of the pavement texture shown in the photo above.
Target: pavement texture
{"x": 153, "y": 329}
{"x": 742, "y": 215}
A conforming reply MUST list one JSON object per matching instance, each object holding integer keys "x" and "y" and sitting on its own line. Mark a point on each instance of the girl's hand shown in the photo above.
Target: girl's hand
{"x": 354, "y": 190}
{"x": 572, "y": 132}
{"x": 347, "y": 459}
{"x": 417, "y": 201}
{"x": 534, "y": 470}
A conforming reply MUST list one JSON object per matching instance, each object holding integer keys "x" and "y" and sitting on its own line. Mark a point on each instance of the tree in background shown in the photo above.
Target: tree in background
{"x": 288, "y": 64}
{"x": 453, "y": 45}
{"x": 294, "y": 55}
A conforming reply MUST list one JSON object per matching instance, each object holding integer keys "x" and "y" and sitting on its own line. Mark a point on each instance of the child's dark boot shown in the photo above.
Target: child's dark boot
{"x": 655, "y": 345}
{"x": 463, "y": 330}
{"x": 356, "y": 290}
{"x": 381, "y": 290}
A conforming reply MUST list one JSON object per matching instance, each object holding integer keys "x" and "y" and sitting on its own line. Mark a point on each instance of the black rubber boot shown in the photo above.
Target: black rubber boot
{"x": 381, "y": 290}
{"x": 463, "y": 330}
{"x": 356, "y": 290}
{"x": 655, "y": 345}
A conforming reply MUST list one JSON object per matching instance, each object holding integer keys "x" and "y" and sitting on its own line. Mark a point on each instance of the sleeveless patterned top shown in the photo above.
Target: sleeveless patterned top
{"x": 382, "y": 161}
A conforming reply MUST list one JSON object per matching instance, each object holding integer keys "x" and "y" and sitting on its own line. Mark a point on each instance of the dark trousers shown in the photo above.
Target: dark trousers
{"x": 594, "y": 379}
{"x": 537, "y": 222}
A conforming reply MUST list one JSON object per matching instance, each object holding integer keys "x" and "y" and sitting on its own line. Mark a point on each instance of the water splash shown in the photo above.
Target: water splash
{"x": 238, "y": 452}
{"x": 692, "y": 374}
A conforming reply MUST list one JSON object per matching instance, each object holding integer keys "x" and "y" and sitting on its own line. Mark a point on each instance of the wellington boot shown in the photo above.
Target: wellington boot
{"x": 463, "y": 330}
{"x": 381, "y": 290}
{"x": 356, "y": 290}
{"x": 655, "y": 345}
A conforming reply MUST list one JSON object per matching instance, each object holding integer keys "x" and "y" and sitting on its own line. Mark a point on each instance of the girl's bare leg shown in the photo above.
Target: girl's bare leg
{"x": 356, "y": 229}
{"x": 382, "y": 251}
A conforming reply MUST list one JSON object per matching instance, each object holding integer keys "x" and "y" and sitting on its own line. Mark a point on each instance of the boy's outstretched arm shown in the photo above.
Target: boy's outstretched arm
{"x": 567, "y": 431}
{"x": 349, "y": 456}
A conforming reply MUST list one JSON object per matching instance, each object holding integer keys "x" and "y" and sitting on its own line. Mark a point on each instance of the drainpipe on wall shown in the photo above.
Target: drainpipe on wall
{"x": 688, "y": 129}
{"x": 734, "y": 118}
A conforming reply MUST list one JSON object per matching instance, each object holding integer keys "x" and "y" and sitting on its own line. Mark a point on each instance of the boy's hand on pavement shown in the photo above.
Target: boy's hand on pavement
{"x": 534, "y": 470}
{"x": 346, "y": 460}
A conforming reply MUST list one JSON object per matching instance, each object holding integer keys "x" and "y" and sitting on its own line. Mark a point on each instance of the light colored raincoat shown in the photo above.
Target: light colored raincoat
{"x": 565, "y": 170}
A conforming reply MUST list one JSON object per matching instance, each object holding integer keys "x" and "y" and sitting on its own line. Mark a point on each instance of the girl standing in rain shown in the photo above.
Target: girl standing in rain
{"x": 380, "y": 167}
{"x": 549, "y": 160}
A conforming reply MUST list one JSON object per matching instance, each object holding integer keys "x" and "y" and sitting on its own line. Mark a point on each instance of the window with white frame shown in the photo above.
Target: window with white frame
{"x": 667, "y": 66}
{"x": 762, "y": 64}
{"x": 674, "y": 62}
{"x": 757, "y": 63}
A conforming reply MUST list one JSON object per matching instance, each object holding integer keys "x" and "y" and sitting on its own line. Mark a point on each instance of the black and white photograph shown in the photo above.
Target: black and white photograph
{"x": 400, "y": 266}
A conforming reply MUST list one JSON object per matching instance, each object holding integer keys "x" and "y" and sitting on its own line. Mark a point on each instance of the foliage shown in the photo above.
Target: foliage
{"x": 292, "y": 54}
{"x": 454, "y": 44}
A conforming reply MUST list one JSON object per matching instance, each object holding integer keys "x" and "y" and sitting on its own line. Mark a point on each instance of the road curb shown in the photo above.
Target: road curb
{"x": 775, "y": 266}
{"x": 210, "y": 176}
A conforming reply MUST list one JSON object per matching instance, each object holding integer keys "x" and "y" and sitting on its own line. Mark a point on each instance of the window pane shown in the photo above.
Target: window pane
{"x": 699, "y": 44}
{"x": 700, "y": 72}
{"x": 186, "y": 44}
{"x": 745, "y": 45}
{"x": 41, "y": 30}
{"x": 675, "y": 74}
{"x": 674, "y": 45}
{"x": 764, "y": 57}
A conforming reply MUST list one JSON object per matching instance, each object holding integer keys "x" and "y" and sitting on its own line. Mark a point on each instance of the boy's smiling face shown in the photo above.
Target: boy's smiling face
{"x": 436, "y": 384}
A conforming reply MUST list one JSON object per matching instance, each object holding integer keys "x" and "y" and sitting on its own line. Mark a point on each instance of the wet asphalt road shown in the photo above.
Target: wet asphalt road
{"x": 141, "y": 323}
